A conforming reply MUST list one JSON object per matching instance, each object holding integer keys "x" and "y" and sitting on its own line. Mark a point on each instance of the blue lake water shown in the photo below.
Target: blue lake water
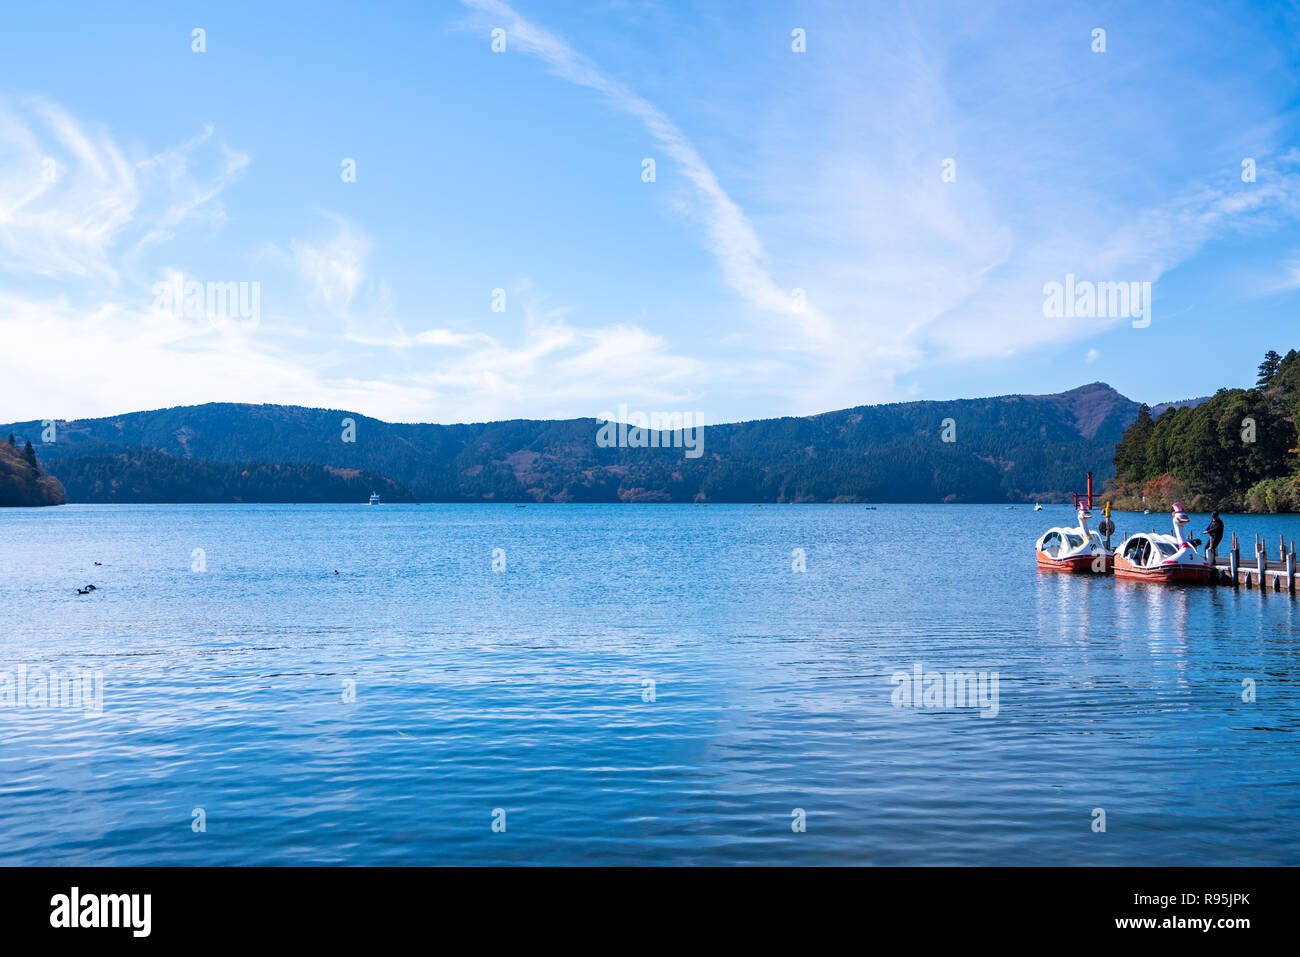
{"x": 528, "y": 690}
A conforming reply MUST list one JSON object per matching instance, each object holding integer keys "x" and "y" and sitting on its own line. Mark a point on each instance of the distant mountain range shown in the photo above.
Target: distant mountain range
{"x": 1009, "y": 448}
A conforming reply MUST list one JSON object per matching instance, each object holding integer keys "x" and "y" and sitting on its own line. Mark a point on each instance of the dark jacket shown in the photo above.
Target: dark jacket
{"x": 1215, "y": 530}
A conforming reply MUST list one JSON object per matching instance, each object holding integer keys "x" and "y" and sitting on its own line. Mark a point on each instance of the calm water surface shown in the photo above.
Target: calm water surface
{"x": 525, "y": 690}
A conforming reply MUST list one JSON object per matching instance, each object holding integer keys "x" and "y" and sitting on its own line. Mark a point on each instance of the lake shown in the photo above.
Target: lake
{"x": 630, "y": 684}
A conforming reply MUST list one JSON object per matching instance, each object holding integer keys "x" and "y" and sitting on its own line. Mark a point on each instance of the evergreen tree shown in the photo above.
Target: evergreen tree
{"x": 11, "y": 439}
{"x": 29, "y": 454}
{"x": 1131, "y": 452}
{"x": 1268, "y": 368}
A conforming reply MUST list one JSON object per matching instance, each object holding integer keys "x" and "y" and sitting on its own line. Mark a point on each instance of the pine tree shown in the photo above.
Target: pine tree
{"x": 11, "y": 439}
{"x": 1268, "y": 368}
{"x": 29, "y": 454}
{"x": 1131, "y": 453}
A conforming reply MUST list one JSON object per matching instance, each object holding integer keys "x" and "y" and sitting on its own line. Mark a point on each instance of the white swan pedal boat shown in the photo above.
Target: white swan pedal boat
{"x": 1150, "y": 556}
{"x": 1079, "y": 549}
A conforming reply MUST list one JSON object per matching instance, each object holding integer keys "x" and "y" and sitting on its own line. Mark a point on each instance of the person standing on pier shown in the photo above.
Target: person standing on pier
{"x": 1215, "y": 531}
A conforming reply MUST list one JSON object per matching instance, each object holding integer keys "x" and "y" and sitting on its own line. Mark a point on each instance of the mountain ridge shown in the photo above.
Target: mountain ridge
{"x": 1003, "y": 448}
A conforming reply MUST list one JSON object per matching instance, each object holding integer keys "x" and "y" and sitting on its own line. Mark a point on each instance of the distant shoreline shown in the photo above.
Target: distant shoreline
{"x": 1047, "y": 506}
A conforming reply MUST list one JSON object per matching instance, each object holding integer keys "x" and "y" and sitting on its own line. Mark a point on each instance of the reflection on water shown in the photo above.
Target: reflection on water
{"x": 639, "y": 684}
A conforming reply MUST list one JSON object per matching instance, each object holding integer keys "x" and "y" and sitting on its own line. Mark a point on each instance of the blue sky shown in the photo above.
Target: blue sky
{"x": 521, "y": 170}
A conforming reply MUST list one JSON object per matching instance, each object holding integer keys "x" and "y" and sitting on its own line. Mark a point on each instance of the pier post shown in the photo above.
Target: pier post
{"x": 1234, "y": 560}
{"x": 1261, "y": 561}
{"x": 1290, "y": 570}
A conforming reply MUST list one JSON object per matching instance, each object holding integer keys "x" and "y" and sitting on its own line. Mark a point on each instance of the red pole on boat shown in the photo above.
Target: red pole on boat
{"x": 1090, "y": 491}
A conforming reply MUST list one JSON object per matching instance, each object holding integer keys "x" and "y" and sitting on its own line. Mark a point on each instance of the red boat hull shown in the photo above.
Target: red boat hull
{"x": 1079, "y": 565}
{"x": 1163, "y": 573}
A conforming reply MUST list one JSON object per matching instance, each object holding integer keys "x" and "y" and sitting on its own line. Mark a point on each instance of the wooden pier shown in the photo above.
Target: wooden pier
{"x": 1257, "y": 570}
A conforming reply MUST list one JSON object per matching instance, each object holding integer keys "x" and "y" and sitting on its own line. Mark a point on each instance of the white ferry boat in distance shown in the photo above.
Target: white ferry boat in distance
{"x": 374, "y": 498}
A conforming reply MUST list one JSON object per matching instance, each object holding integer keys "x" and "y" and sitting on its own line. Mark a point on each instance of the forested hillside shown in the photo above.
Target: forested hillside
{"x": 147, "y": 476}
{"x": 1007, "y": 448}
{"x": 1236, "y": 451}
{"x": 22, "y": 481}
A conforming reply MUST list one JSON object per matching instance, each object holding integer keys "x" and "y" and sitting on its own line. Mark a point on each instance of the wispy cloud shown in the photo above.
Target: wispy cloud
{"x": 66, "y": 196}
{"x": 732, "y": 237}
{"x": 70, "y": 195}
{"x": 554, "y": 366}
{"x": 335, "y": 268}
{"x": 191, "y": 200}
{"x": 99, "y": 346}
{"x": 1098, "y": 173}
